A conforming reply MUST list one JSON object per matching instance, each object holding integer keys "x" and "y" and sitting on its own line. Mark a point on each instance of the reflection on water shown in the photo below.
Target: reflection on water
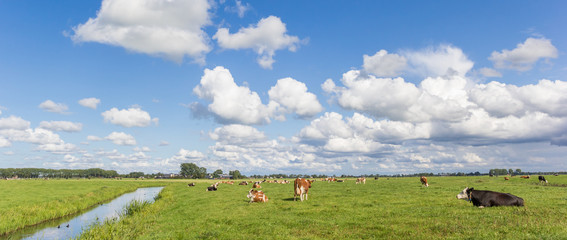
{"x": 72, "y": 226}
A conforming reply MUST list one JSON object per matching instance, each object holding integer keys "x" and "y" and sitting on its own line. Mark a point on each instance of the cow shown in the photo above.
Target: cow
{"x": 483, "y": 198}
{"x": 191, "y": 184}
{"x": 423, "y": 180}
{"x": 506, "y": 178}
{"x": 542, "y": 179}
{"x": 340, "y": 180}
{"x": 361, "y": 180}
{"x": 526, "y": 177}
{"x": 256, "y": 185}
{"x": 243, "y": 183}
{"x": 213, "y": 187}
{"x": 301, "y": 187}
{"x": 257, "y": 196}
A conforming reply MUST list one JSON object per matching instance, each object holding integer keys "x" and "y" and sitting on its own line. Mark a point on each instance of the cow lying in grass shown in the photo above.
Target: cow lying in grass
{"x": 213, "y": 187}
{"x": 481, "y": 198}
{"x": 257, "y": 196}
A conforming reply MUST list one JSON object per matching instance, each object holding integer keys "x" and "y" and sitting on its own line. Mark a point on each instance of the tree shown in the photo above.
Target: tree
{"x": 191, "y": 170}
{"x": 217, "y": 173}
{"x": 235, "y": 174}
{"x": 518, "y": 171}
{"x": 510, "y": 171}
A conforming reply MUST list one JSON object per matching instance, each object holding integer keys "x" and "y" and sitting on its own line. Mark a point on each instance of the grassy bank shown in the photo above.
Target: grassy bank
{"x": 29, "y": 202}
{"x": 395, "y": 208}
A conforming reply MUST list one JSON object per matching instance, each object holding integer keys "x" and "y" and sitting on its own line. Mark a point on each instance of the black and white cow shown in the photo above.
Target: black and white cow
{"x": 213, "y": 187}
{"x": 542, "y": 179}
{"x": 482, "y": 198}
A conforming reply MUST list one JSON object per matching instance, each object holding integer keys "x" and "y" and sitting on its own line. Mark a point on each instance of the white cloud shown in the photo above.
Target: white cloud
{"x": 89, "y": 102}
{"x": 59, "y": 126}
{"x": 163, "y": 143}
{"x": 4, "y": 142}
{"x": 294, "y": 97}
{"x": 523, "y": 57}
{"x": 121, "y": 138}
{"x": 51, "y": 106}
{"x": 268, "y": 36}
{"x": 230, "y": 102}
{"x": 132, "y": 117}
{"x": 383, "y": 64}
{"x": 489, "y": 72}
{"x": 238, "y": 8}
{"x": 440, "y": 61}
{"x": 142, "y": 149}
{"x": 170, "y": 29}
{"x": 14, "y": 122}
{"x": 94, "y": 138}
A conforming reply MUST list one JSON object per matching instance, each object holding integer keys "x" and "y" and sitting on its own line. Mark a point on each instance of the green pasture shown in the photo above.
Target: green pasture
{"x": 394, "y": 208}
{"x": 29, "y": 202}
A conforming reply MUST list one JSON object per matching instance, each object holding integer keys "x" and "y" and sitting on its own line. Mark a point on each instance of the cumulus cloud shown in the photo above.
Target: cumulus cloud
{"x": 169, "y": 29}
{"x": 438, "y": 61}
{"x": 59, "y": 126}
{"x": 54, "y": 107}
{"x": 14, "y": 122}
{"x": 247, "y": 148}
{"x": 293, "y": 96}
{"x": 121, "y": 138}
{"x": 525, "y": 55}
{"x": 383, "y": 64}
{"x": 449, "y": 107}
{"x": 132, "y": 117}
{"x": 89, "y": 102}
{"x": 4, "y": 142}
{"x": 16, "y": 129}
{"x": 265, "y": 38}
{"x": 231, "y": 103}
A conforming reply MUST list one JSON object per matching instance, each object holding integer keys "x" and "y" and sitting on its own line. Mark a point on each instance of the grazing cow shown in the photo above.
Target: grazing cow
{"x": 301, "y": 187}
{"x": 361, "y": 180}
{"x": 213, "y": 187}
{"x": 257, "y": 196}
{"x": 423, "y": 180}
{"x": 542, "y": 179}
{"x": 506, "y": 178}
{"x": 481, "y": 198}
{"x": 243, "y": 183}
{"x": 340, "y": 180}
{"x": 375, "y": 178}
{"x": 526, "y": 177}
{"x": 191, "y": 184}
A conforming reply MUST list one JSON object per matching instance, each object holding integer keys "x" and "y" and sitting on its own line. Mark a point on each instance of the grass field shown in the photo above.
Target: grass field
{"x": 395, "y": 208}
{"x": 29, "y": 202}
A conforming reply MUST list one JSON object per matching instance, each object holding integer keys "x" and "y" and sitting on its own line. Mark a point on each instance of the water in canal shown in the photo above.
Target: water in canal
{"x": 72, "y": 226}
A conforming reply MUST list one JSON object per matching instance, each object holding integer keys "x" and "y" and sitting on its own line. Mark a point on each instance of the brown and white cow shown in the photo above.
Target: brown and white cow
{"x": 301, "y": 187}
{"x": 361, "y": 180}
{"x": 526, "y": 177}
{"x": 257, "y": 196}
{"x": 256, "y": 185}
{"x": 423, "y": 180}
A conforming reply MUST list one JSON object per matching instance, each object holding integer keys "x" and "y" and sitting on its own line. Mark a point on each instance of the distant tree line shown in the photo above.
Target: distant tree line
{"x": 56, "y": 173}
{"x": 191, "y": 170}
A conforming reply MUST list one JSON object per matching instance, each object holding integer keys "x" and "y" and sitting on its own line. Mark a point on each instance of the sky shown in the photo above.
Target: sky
{"x": 295, "y": 87}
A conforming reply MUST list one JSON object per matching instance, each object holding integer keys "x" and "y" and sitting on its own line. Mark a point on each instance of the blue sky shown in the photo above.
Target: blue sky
{"x": 331, "y": 87}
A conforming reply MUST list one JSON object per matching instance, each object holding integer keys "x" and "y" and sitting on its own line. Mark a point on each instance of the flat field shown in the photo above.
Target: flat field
{"x": 29, "y": 202}
{"x": 394, "y": 208}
